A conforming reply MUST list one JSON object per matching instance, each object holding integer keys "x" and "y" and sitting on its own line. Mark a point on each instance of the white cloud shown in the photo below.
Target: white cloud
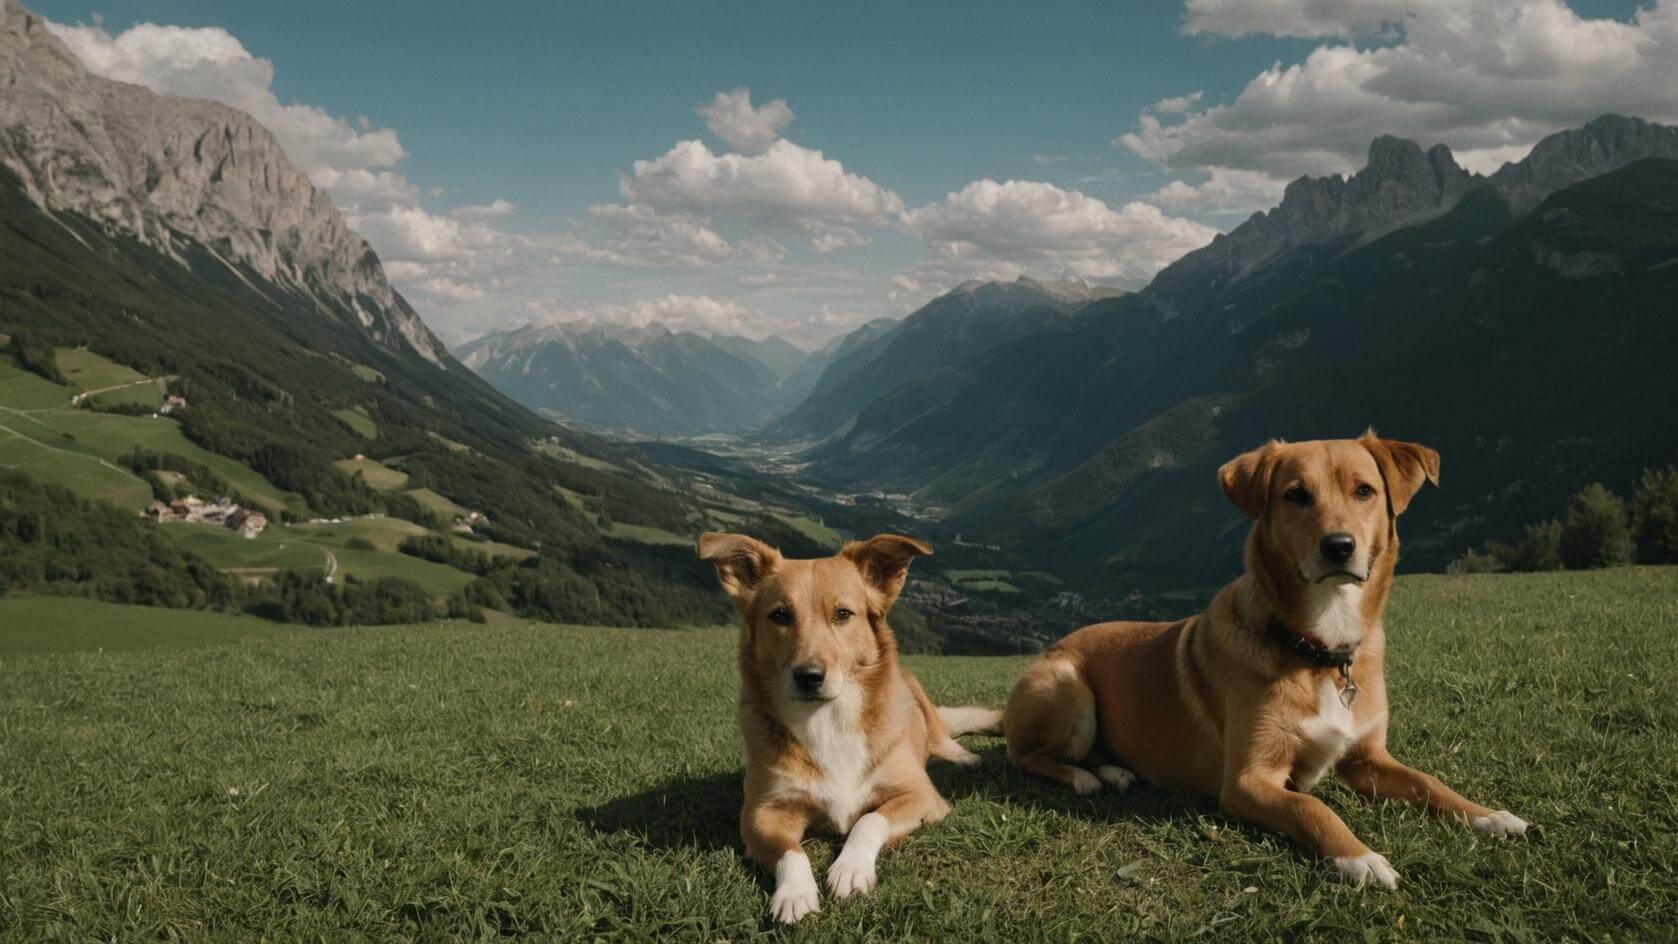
{"x": 1039, "y": 228}
{"x": 435, "y": 260}
{"x": 647, "y": 237}
{"x": 1300, "y": 18}
{"x": 1224, "y": 189}
{"x": 749, "y": 130}
{"x": 211, "y": 63}
{"x": 493, "y": 210}
{"x": 1486, "y": 77}
{"x": 1177, "y": 105}
{"x": 701, "y": 313}
{"x": 787, "y": 186}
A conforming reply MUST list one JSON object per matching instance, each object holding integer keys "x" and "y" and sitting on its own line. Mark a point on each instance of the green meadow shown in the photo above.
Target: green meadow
{"x": 42, "y": 434}
{"x": 199, "y": 777}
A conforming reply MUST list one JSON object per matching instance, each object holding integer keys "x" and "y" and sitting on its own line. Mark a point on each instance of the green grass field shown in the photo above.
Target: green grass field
{"x": 436, "y": 504}
{"x": 43, "y": 435}
{"x": 358, "y": 420}
{"x": 647, "y": 534}
{"x": 206, "y": 778}
{"x": 90, "y": 371}
{"x": 812, "y": 529}
{"x": 307, "y": 547}
{"x": 270, "y": 551}
{"x": 375, "y": 473}
{"x": 385, "y": 534}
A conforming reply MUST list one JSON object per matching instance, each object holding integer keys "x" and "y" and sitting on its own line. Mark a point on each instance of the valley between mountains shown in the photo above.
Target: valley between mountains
{"x": 187, "y": 323}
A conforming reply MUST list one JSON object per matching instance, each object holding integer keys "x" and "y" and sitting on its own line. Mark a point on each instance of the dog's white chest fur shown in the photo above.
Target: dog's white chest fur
{"x": 1338, "y": 618}
{"x": 833, "y": 737}
{"x": 1325, "y": 736}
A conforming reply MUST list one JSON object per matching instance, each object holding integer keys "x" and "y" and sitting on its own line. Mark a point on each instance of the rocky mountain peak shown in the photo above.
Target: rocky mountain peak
{"x": 1398, "y": 186}
{"x": 175, "y": 172}
{"x": 1607, "y": 143}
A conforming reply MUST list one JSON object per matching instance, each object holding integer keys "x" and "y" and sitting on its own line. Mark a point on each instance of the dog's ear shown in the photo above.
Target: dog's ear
{"x": 741, "y": 562}
{"x": 884, "y": 562}
{"x": 1405, "y": 467}
{"x": 1246, "y": 478}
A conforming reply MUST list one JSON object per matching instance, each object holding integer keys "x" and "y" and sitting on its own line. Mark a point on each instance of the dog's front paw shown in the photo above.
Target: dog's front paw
{"x": 1084, "y": 782}
{"x": 1371, "y": 868}
{"x": 850, "y": 875}
{"x": 795, "y": 889}
{"x": 1500, "y": 823}
{"x": 1116, "y": 776}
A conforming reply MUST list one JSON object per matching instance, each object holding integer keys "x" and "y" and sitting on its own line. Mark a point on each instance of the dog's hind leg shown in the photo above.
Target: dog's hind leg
{"x": 944, "y": 724}
{"x": 1050, "y": 724}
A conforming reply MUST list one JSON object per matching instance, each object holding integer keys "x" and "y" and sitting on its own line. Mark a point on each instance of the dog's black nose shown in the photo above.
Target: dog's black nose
{"x": 807, "y": 678}
{"x": 1339, "y": 547}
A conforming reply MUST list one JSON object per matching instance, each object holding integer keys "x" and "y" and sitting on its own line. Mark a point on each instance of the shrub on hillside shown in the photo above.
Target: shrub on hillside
{"x": 1654, "y": 516}
{"x": 1596, "y": 531}
{"x": 1538, "y": 549}
{"x": 36, "y": 355}
{"x": 1473, "y": 562}
{"x": 54, "y": 541}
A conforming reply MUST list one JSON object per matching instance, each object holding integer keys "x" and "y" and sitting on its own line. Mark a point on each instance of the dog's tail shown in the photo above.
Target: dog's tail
{"x": 971, "y": 720}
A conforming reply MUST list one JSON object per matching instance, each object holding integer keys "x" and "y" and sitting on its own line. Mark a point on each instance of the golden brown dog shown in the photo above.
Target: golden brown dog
{"x": 837, "y": 734}
{"x": 1278, "y": 682}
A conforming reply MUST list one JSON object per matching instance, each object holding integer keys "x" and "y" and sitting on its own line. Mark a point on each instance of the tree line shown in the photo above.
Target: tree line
{"x": 56, "y": 542}
{"x": 1597, "y": 529}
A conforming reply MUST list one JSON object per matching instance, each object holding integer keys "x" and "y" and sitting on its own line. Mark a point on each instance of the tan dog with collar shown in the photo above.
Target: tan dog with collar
{"x": 1279, "y": 682}
{"x": 837, "y": 734}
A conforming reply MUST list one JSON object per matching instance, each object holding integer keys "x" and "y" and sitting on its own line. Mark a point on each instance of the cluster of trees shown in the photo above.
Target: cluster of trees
{"x": 293, "y": 597}
{"x": 54, "y": 541}
{"x": 35, "y": 354}
{"x": 602, "y": 591}
{"x": 1599, "y": 529}
{"x": 440, "y": 550}
{"x": 197, "y": 478}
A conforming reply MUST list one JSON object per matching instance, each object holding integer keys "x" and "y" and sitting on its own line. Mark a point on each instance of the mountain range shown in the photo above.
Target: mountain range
{"x": 1500, "y": 319}
{"x": 170, "y": 247}
{"x": 1520, "y": 322}
{"x": 1080, "y": 425}
{"x": 647, "y": 381}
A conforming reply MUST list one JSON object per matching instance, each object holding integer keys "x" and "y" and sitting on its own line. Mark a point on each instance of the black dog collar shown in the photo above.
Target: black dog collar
{"x": 1318, "y": 655}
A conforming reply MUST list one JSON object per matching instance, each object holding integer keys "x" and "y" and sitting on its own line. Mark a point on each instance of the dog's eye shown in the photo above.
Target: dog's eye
{"x": 1298, "y": 495}
{"x": 842, "y": 615}
{"x": 780, "y": 616}
{"x": 1364, "y": 491}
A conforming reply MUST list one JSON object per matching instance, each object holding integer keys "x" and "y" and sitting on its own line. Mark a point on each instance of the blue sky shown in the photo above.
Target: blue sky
{"x": 971, "y": 139}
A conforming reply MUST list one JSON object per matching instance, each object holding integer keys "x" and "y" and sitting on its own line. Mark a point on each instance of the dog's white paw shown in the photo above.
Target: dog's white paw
{"x": 1116, "y": 776}
{"x": 1371, "y": 868}
{"x": 795, "y": 889}
{"x": 1500, "y": 823}
{"x": 850, "y": 875}
{"x": 1083, "y": 781}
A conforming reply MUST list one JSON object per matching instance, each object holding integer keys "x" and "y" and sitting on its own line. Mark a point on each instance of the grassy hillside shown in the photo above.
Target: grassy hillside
{"x": 220, "y": 779}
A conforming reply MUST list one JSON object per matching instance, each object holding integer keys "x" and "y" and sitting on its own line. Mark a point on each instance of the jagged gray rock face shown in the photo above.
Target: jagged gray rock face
{"x": 166, "y": 170}
{"x": 1562, "y": 159}
{"x": 1401, "y": 185}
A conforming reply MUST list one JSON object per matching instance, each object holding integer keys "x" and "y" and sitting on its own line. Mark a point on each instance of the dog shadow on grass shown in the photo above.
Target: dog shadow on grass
{"x": 692, "y": 811}
{"x": 995, "y": 779}
{"x": 702, "y": 811}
